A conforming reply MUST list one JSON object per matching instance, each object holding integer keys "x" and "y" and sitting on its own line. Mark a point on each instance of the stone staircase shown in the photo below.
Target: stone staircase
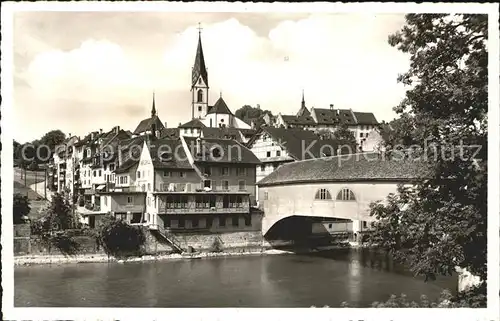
{"x": 171, "y": 240}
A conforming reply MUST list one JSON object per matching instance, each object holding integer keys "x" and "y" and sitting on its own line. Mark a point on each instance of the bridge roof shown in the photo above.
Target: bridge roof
{"x": 347, "y": 168}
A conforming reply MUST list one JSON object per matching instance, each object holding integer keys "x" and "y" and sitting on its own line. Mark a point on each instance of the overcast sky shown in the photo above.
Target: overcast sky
{"x": 79, "y": 71}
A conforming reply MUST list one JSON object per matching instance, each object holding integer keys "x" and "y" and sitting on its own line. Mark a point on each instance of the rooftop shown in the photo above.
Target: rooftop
{"x": 346, "y": 168}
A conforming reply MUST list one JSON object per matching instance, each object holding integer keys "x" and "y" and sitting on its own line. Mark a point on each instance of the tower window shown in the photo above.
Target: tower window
{"x": 199, "y": 108}
{"x": 200, "y": 95}
{"x": 199, "y": 81}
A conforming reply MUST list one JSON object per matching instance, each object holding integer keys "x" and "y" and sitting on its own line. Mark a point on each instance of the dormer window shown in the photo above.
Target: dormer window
{"x": 199, "y": 81}
{"x": 165, "y": 157}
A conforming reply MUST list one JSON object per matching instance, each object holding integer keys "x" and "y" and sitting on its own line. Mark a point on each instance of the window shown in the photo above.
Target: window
{"x": 235, "y": 221}
{"x": 200, "y": 95}
{"x": 216, "y": 152}
{"x": 241, "y": 171}
{"x": 268, "y": 154}
{"x": 248, "y": 220}
{"x": 100, "y": 173}
{"x": 194, "y": 222}
{"x": 182, "y": 174}
{"x": 278, "y": 153}
{"x": 232, "y": 201}
{"x": 207, "y": 183}
{"x": 149, "y": 201}
{"x": 225, "y": 171}
{"x": 225, "y": 185}
{"x": 105, "y": 200}
{"x": 181, "y": 223}
{"x": 361, "y": 135}
{"x": 111, "y": 167}
{"x": 177, "y": 201}
{"x": 266, "y": 195}
{"x": 167, "y": 174}
{"x": 365, "y": 224}
{"x": 143, "y": 187}
{"x": 130, "y": 199}
{"x": 222, "y": 221}
{"x": 207, "y": 171}
{"x": 323, "y": 194}
{"x": 199, "y": 109}
{"x": 167, "y": 222}
{"x": 208, "y": 222}
{"x": 262, "y": 168}
{"x": 242, "y": 185}
{"x": 330, "y": 225}
{"x": 95, "y": 173}
{"x": 346, "y": 195}
{"x": 138, "y": 174}
{"x": 149, "y": 187}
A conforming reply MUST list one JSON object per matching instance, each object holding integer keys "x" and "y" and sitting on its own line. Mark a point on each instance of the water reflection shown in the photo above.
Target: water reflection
{"x": 359, "y": 277}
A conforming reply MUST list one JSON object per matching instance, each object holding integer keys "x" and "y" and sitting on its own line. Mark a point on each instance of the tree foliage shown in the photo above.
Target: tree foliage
{"x": 470, "y": 299}
{"x": 248, "y": 113}
{"x": 441, "y": 222}
{"x": 121, "y": 239}
{"x": 21, "y": 208}
{"x": 343, "y": 136}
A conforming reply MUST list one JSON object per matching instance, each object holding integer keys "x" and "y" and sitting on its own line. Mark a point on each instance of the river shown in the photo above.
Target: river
{"x": 355, "y": 276}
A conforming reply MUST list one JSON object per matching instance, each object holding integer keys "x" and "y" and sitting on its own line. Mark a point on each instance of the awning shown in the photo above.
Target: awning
{"x": 101, "y": 187}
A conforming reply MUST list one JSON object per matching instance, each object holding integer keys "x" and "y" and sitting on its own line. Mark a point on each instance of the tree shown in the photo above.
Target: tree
{"x": 21, "y": 208}
{"x": 60, "y": 213}
{"x": 441, "y": 222}
{"x": 248, "y": 113}
{"x": 53, "y": 138}
{"x": 343, "y": 137}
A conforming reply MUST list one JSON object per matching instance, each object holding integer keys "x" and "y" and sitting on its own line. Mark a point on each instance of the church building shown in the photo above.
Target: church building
{"x": 217, "y": 115}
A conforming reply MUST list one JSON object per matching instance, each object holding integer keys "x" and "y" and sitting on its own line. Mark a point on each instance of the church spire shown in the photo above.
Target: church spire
{"x": 153, "y": 109}
{"x": 303, "y": 105}
{"x": 199, "y": 68}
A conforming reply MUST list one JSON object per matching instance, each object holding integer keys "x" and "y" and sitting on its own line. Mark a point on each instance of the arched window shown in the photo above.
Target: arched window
{"x": 200, "y": 95}
{"x": 345, "y": 194}
{"x": 323, "y": 194}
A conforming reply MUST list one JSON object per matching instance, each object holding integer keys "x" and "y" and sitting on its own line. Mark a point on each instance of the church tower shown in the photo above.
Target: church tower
{"x": 199, "y": 84}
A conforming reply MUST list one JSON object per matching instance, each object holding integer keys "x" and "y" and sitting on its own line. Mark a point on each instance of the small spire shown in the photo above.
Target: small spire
{"x": 303, "y": 100}
{"x": 153, "y": 110}
{"x": 220, "y": 94}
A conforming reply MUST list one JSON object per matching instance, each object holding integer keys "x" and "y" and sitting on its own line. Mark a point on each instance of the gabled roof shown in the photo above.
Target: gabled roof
{"x": 130, "y": 150}
{"x": 171, "y": 133}
{"x": 229, "y": 151}
{"x": 199, "y": 68}
{"x": 220, "y": 107}
{"x": 345, "y": 168}
{"x": 299, "y": 143}
{"x": 334, "y": 116}
{"x": 168, "y": 154}
{"x": 365, "y": 118}
{"x": 303, "y": 111}
{"x": 193, "y": 123}
{"x": 222, "y": 133}
{"x": 145, "y": 125}
{"x": 295, "y": 120}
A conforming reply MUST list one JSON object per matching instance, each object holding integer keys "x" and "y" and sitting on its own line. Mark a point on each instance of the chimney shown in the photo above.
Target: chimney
{"x": 92, "y": 135}
{"x": 117, "y": 129}
{"x": 100, "y": 131}
{"x": 69, "y": 135}
{"x": 166, "y": 125}
{"x": 331, "y": 106}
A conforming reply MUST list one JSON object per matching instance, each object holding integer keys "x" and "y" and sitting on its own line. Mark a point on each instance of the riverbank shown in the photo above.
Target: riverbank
{"x": 26, "y": 260}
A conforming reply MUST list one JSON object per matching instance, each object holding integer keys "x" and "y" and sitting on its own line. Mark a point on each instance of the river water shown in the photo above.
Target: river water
{"x": 355, "y": 276}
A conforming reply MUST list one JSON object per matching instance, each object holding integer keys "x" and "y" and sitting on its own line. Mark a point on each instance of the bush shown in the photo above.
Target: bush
{"x": 120, "y": 239}
{"x": 474, "y": 298}
{"x": 216, "y": 245}
{"x": 21, "y": 208}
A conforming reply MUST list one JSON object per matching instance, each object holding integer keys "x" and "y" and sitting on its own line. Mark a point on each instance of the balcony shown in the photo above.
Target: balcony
{"x": 203, "y": 204}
